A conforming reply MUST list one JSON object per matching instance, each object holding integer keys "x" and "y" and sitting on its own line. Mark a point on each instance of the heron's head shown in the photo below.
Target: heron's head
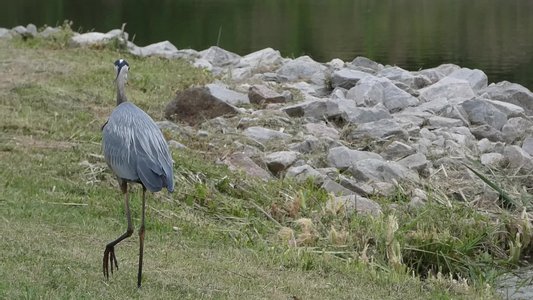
{"x": 122, "y": 67}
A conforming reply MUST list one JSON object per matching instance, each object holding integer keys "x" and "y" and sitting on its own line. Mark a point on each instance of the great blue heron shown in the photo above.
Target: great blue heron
{"x": 136, "y": 152}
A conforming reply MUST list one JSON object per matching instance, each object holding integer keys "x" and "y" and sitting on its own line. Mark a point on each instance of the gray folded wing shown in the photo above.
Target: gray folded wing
{"x": 135, "y": 148}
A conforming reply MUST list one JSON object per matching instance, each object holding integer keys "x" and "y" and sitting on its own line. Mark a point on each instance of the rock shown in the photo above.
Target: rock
{"x": 5, "y": 33}
{"x": 486, "y": 131}
{"x": 240, "y": 162}
{"x": 281, "y": 160}
{"x": 418, "y": 199}
{"x": 527, "y": 145}
{"x": 47, "y": 32}
{"x": 309, "y": 89}
{"x": 438, "y": 73}
{"x": 239, "y": 74}
{"x": 304, "y": 68}
{"x": 222, "y": 92}
{"x": 416, "y": 203}
{"x": 263, "y": 135}
{"x": 310, "y": 144}
{"x": 343, "y": 157}
{"x": 163, "y": 49}
{"x": 338, "y": 93}
{"x": 261, "y": 94}
{"x": 397, "y": 150}
{"x": 426, "y": 133}
{"x": 318, "y": 109}
{"x": 21, "y": 30}
{"x": 336, "y": 189}
{"x": 384, "y": 189}
{"x": 91, "y": 38}
{"x": 512, "y": 93}
{"x": 364, "y": 64}
{"x": 510, "y": 110}
{"x": 270, "y": 76}
{"x": 477, "y": 79}
{"x": 218, "y": 125}
{"x": 360, "y": 115}
{"x": 518, "y": 159}
{"x": 360, "y": 188}
{"x": 329, "y": 172}
{"x": 313, "y": 144}
{"x": 433, "y": 107}
{"x": 404, "y": 87}
{"x": 273, "y": 117}
{"x": 336, "y": 64}
{"x": 194, "y": 105}
{"x": 370, "y": 91}
{"x": 381, "y": 171}
{"x": 31, "y": 29}
{"x": 304, "y": 172}
{"x": 455, "y": 111}
{"x": 247, "y": 150}
{"x": 460, "y": 135}
{"x": 382, "y": 129}
{"x": 417, "y": 162}
{"x": 491, "y": 160}
{"x": 202, "y": 133}
{"x": 263, "y": 60}
{"x": 410, "y": 80}
{"x": 440, "y": 122}
{"x": 321, "y": 130}
{"x": 447, "y": 88}
{"x": 411, "y": 122}
{"x": 187, "y": 54}
{"x": 353, "y": 204}
{"x": 219, "y": 57}
{"x": 183, "y": 131}
{"x": 480, "y": 112}
{"x": 516, "y": 129}
{"x": 486, "y": 146}
{"x": 346, "y": 78}
{"x": 420, "y": 194}
{"x": 176, "y": 145}
{"x": 203, "y": 64}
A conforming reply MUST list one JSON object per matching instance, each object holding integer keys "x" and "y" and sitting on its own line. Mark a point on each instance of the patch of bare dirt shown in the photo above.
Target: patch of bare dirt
{"x": 31, "y": 142}
{"x": 21, "y": 66}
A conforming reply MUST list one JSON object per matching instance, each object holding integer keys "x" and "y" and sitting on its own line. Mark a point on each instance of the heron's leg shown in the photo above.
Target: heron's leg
{"x": 141, "y": 240}
{"x": 109, "y": 252}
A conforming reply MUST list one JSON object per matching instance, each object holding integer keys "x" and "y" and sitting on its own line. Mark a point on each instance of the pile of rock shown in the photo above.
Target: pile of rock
{"x": 360, "y": 128}
{"x": 355, "y": 128}
{"x": 28, "y": 31}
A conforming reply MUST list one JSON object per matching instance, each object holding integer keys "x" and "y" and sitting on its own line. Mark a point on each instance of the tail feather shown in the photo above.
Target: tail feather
{"x": 149, "y": 178}
{"x": 168, "y": 178}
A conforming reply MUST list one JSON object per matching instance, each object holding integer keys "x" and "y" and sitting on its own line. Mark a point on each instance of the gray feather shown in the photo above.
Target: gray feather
{"x": 135, "y": 149}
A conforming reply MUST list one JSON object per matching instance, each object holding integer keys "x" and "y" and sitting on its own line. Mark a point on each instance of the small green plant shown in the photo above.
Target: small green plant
{"x": 507, "y": 201}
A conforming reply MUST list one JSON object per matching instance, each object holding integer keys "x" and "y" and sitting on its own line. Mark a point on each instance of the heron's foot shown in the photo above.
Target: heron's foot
{"x": 109, "y": 260}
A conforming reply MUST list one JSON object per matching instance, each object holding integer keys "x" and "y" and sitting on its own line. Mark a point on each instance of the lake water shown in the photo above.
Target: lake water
{"x": 495, "y": 36}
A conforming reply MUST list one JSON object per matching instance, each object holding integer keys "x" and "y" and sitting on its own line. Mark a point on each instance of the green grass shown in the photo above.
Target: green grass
{"x": 220, "y": 234}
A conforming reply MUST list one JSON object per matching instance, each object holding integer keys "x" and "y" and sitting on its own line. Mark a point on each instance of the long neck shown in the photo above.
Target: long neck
{"x": 121, "y": 94}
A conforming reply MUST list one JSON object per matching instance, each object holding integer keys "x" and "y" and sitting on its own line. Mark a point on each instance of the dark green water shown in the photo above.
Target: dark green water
{"x": 495, "y": 36}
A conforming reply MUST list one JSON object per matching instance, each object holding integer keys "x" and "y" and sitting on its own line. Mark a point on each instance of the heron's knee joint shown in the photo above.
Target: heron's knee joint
{"x": 129, "y": 232}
